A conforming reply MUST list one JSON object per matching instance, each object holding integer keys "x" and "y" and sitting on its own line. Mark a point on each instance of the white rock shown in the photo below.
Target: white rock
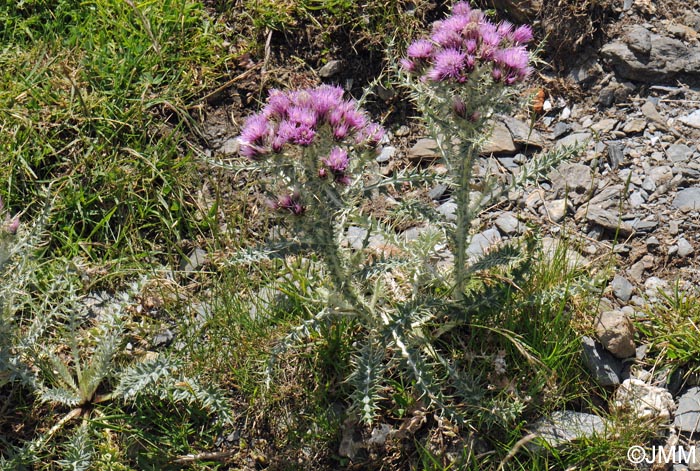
{"x": 644, "y": 401}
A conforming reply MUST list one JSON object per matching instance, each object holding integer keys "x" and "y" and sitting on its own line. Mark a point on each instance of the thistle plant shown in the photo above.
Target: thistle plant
{"x": 311, "y": 143}
{"x": 460, "y": 76}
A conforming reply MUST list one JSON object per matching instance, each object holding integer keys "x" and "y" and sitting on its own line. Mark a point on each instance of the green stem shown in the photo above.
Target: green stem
{"x": 464, "y": 172}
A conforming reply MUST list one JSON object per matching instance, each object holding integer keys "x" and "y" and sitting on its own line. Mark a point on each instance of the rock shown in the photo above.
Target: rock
{"x": 645, "y": 226}
{"x": 163, "y": 338}
{"x": 622, "y": 288}
{"x": 230, "y": 147}
{"x": 648, "y": 57}
{"x": 655, "y": 286}
{"x": 576, "y": 139}
{"x": 616, "y": 333}
{"x": 609, "y": 221}
{"x": 661, "y": 175}
{"x": 644, "y": 401}
{"x": 560, "y": 129}
{"x": 481, "y": 242}
{"x": 522, "y": 133}
{"x": 636, "y": 271}
{"x": 650, "y": 111}
{"x": 687, "y": 417}
{"x": 652, "y": 243}
{"x": 194, "y": 260}
{"x": 562, "y": 427}
{"x": 508, "y": 224}
{"x": 605, "y": 368}
{"x": 679, "y": 153}
{"x": 556, "y": 210}
{"x": 684, "y": 247}
{"x": 634, "y": 126}
{"x": 586, "y": 70}
{"x": 386, "y": 154}
{"x": 330, "y": 69}
{"x": 615, "y": 154}
{"x": 604, "y": 126}
{"x": 692, "y": 120}
{"x": 448, "y": 209}
{"x": 636, "y": 199}
{"x": 688, "y": 199}
{"x": 423, "y": 149}
{"x": 356, "y": 237}
{"x": 437, "y": 191}
{"x": 649, "y": 185}
{"x": 500, "y": 141}
{"x": 573, "y": 180}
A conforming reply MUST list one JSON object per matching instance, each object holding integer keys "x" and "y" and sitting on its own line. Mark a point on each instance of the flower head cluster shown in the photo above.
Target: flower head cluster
{"x": 297, "y": 117}
{"x": 465, "y": 40}
{"x": 9, "y": 225}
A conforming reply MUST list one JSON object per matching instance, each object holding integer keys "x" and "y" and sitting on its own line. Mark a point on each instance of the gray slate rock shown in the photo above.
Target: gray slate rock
{"x": 608, "y": 221}
{"x": 679, "y": 153}
{"x": 522, "y": 133}
{"x": 692, "y": 119}
{"x": 423, "y": 149}
{"x": 605, "y": 368}
{"x": 688, "y": 199}
{"x": 449, "y": 210}
{"x": 563, "y": 427}
{"x": 574, "y": 180}
{"x": 575, "y": 139}
{"x": 684, "y": 247}
{"x": 386, "y": 154}
{"x": 508, "y": 224}
{"x": 687, "y": 417}
{"x": 622, "y": 288}
{"x": 330, "y": 69}
{"x": 194, "y": 260}
{"x": 648, "y": 57}
{"x": 481, "y": 242}
{"x": 500, "y": 141}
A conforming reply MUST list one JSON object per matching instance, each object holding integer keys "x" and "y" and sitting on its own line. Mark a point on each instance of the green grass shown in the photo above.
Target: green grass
{"x": 94, "y": 107}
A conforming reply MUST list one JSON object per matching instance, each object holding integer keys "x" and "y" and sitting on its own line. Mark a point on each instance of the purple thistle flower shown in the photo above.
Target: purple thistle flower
{"x": 277, "y": 104}
{"x": 337, "y": 160}
{"x": 459, "y": 107}
{"x": 446, "y": 38}
{"x": 326, "y": 98}
{"x": 407, "y": 65}
{"x": 449, "y": 63}
{"x": 514, "y": 58}
{"x": 296, "y": 133}
{"x": 371, "y": 134}
{"x": 470, "y": 46}
{"x": 13, "y": 225}
{"x": 254, "y": 135}
{"x": 340, "y": 131}
{"x": 461, "y": 8}
{"x": 290, "y": 202}
{"x": 522, "y": 34}
{"x": 301, "y": 115}
{"x": 505, "y": 28}
{"x": 421, "y": 49}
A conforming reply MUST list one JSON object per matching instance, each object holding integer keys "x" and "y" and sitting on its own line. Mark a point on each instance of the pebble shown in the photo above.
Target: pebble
{"x": 687, "y": 417}
{"x": 508, "y": 224}
{"x": 331, "y": 68}
{"x": 616, "y": 333}
{"x": 645, "y": 402}
{"x": 565, "y": 426}
{"x": 622, "y": 288}
{"x": 386, "y": 154}
{"x": 684, "y": 247}
{"x": 692, "y": 119}
{"x": 679, "y": 153}
{"x": 688, "y": 199}
{"x": 603, "y": 366}
{"x": 423, "y": 149}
